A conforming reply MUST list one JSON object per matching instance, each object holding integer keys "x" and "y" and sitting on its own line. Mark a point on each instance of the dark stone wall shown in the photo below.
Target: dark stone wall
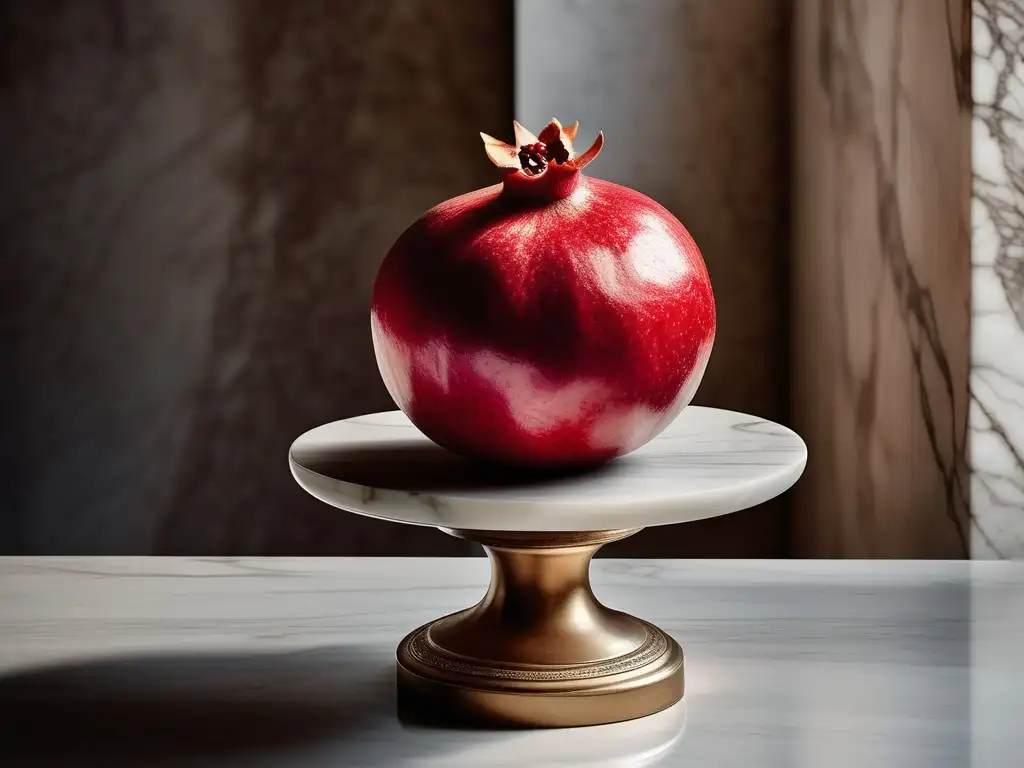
{"x": 195, "y": 198}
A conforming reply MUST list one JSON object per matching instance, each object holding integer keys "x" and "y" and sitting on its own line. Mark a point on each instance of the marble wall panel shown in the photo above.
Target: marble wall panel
{"x": 997, "y": 340}
{"x": 881, "y": 280}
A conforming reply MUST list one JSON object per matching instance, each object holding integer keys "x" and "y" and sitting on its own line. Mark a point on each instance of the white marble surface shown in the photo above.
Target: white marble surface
{"x": 707, "y": 462}
{"x": 997, "y": 335}
{"x": 290, "y": 662}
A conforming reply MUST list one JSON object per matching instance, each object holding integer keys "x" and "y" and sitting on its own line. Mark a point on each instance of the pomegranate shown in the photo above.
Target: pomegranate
{"x": 553, "y": 319}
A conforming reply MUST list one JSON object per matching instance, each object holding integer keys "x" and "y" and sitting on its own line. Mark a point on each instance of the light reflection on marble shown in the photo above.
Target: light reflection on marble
{"x": 997, "y": 339}
{"x": 281, "y": 662}
{"x": 707, "y": 462}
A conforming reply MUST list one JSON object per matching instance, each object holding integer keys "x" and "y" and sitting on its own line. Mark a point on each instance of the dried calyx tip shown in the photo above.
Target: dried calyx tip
{"x": 532, "y": 155}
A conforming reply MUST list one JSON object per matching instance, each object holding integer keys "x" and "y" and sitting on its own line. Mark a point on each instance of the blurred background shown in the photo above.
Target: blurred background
{"x": 196, "y": 194}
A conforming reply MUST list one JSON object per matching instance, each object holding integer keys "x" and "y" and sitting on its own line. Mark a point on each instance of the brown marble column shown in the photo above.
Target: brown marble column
{"x": 881, "y": 288}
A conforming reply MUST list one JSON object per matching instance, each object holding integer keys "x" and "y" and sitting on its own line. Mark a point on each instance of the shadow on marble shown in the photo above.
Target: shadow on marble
{"x": 191, "y": 706}
{"x": 330, "y": 706}
{"x": 403, "y": 464}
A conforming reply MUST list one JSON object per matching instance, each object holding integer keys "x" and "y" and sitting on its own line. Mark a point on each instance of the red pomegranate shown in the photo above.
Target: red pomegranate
{"x": 550, "y": 320}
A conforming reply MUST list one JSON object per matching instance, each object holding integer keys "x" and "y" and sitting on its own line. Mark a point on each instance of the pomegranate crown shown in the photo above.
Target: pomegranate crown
{"x": 533, "y": 155}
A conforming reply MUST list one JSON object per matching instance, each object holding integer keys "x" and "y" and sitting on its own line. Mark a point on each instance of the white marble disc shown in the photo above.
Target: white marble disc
{"x": 708, "y": 462}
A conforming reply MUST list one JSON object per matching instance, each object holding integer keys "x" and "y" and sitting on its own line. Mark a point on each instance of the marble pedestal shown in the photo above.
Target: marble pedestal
{"x": 539, "y": 649}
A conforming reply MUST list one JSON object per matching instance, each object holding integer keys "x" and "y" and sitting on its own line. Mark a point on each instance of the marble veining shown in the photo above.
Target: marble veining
{"x": 708, "y": 462}
{"x": 881, "y": 283}
{"x": 129, "y": 661}
{"x": 997, "y": 260}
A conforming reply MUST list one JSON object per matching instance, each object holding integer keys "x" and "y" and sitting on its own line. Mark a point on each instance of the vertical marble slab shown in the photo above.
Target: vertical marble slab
{"x": 692, "y": 96}
{"x": 195, "y": 197}
{"x": 997, "y": 351}
{"x": 881, "y": 281}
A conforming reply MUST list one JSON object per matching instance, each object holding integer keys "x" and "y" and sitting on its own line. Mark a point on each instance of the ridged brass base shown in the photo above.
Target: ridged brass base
{"x": 539, "y": 650}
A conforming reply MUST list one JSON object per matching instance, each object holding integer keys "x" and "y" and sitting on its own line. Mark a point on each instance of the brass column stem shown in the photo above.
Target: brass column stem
{"x": 538, "y": 635}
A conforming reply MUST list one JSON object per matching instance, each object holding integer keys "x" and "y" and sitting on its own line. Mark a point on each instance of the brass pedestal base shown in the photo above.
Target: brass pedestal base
{"x": 539, "y": 650}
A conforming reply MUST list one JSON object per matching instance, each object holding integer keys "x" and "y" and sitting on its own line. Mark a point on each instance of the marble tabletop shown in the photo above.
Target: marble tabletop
{"x": 290, "y": 662}
{"x": 707, "y": 462}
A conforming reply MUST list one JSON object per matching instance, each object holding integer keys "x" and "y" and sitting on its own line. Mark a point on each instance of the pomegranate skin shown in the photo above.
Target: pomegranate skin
{"x": 544, "y": 330}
